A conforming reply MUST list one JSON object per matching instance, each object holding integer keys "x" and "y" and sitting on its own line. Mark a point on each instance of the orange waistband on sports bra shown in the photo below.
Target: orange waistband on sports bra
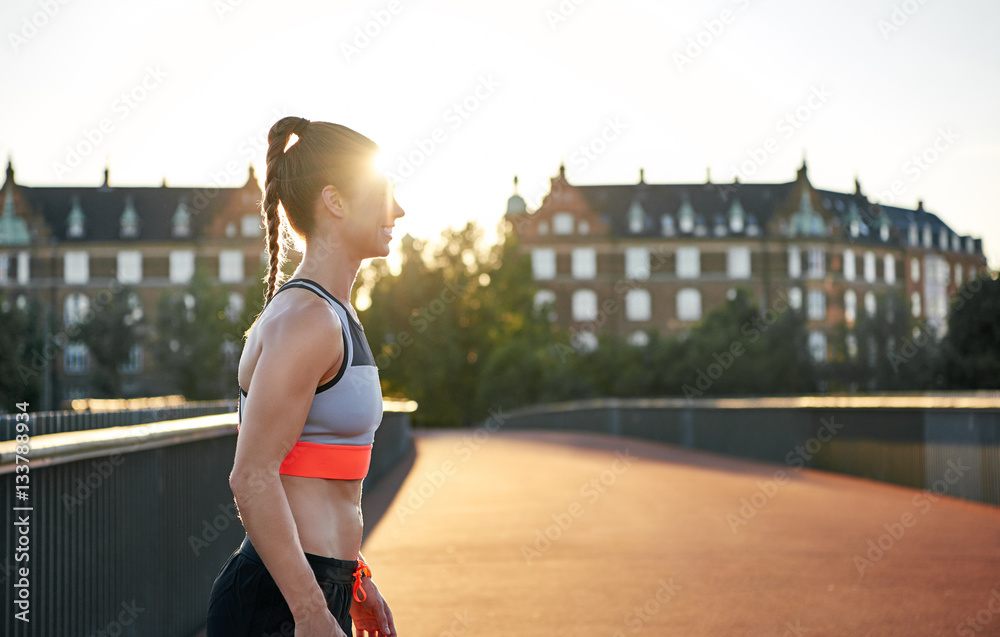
{"x": 334, "y": 462}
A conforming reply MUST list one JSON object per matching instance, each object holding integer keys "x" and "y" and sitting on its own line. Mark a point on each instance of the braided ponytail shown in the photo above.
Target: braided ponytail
{"x": 277, "y": 141}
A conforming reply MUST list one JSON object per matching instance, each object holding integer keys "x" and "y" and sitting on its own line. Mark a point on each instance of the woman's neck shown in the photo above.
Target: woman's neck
{"x": 331, "y": 268}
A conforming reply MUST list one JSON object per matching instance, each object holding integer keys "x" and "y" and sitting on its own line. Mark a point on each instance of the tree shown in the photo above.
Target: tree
{"x": 197, "y": 342}
{"x": 971, "y": 349}
{"x": 22, "y": 363}
{"x": 109, "y": 333}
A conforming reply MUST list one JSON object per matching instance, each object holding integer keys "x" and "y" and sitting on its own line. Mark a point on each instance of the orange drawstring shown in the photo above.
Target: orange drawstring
{"x": 361, "y": 571}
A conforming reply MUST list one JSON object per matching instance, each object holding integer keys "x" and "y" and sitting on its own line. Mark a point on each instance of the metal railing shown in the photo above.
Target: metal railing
{"x": 946, "y": 443}
{"x": 89, "y": 417}
{"x": 126, "y": 528}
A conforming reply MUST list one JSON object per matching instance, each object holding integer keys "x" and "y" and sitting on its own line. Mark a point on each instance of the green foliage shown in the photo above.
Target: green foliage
{"x": 970, "y": 357}
{"x": 192, "y": 332}
{"x": 22, "y": 364}
{"x": 109, "y": 333}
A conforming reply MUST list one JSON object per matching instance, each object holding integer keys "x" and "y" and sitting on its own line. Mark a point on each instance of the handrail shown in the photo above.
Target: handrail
{"x": 983, "y": 400}
{"x": 51, "y": 449}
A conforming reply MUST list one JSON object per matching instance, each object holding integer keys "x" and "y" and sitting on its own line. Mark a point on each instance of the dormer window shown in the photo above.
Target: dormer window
{"x": 913, "y": 239}
{"x": 956, "y": 243}
{"x": 855, "y": 227}
{"x": 667, "y": 226}
{"x": 737, "y": 216}
{"x": 927, "y": 235}
{"x": 752, "y": 228}
{"x": 970, "y": 245}
{"x": 636, "y": 217}
{"x": 720, "y": 226}
{"x": 700, "y": 227}
{"x": 807, "y": 222}
{"x": 562, "y": 223}
{"x": 685, "y": 216}
{"x": 943, "y": 238}
{"x": 129, "y": 220}
{"x": 181, "y": 220}
{"x": 883, "y": 232}
{"x": 74, "y": 223}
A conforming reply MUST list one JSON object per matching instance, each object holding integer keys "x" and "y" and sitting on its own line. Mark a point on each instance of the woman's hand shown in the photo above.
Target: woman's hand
{"x": 373, "y": 614}
{"x": 320, "y": 624}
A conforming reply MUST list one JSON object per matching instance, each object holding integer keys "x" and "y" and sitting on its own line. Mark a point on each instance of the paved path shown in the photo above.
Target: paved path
{"x": 581, "y": 534}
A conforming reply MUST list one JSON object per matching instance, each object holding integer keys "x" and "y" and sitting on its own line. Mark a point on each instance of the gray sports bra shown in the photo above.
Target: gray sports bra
{"x": 345, "y": 411}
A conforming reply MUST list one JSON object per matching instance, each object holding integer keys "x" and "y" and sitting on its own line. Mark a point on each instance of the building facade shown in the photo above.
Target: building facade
{"x": 69, "y": 247}
{"x": 633, "y": 258}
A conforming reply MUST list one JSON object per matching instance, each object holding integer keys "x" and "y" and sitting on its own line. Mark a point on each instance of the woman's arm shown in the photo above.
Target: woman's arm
{"x": 298, "y": 347}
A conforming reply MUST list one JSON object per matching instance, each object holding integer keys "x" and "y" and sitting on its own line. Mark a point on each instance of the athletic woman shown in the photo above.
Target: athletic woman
{"x": 310, "y": 399}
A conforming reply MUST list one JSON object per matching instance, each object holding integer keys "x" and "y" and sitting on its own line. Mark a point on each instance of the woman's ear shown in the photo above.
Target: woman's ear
{"x": 332, "y": 201}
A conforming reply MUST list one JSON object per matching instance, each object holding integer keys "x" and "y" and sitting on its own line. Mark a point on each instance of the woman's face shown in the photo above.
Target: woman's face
{"x": 371, "y": 214}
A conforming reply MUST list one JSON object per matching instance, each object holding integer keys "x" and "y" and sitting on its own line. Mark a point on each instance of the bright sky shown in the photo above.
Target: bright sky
{"x": 890, "y": 90}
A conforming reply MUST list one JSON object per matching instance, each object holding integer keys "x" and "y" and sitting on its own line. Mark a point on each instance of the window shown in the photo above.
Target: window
{"x": 543, "y": 263}
{"x": 75, "y": 358}
{"x": 562, "y": 223}
{"x": 543, "y": 298}
{"x": 795, "y": 298}
{"x": 230, "y": 229}
{"x": 76, "y": 267}
{"x": 583, "y": 227}
{"x": 584, "y": 263}
{"x": 75, "y": 308}
{"x": 685, "y": 216}
{"x": 927, "y": 235}
{"x": 689, "y": 304}
{"x": 870, "y": 303}
{"x": 638, "y": 306}
{"x": 913, "y": 233}
{"x": 738, "y": 262}
{"x": 74, "y": 222}
{"x": 915, "y": 304}
{"x": 181, "y": 266}
{"x": 23, "y": 268}
{"x": 130, "y": 266}
{"x": 235, "y": 306}
{"x": 543, "y": 227}
{"x": 638, "y": 338}
{"x": 883, "y": 231}
{"x": 817, "y": 263}
{"x": 850, "y": 268}
{"x": 943, "y": 238}
{"x": 584, "y": 305}
{"x": 129, "y": 221}
{"x": 816, "y": 308}
{"x": 136, "y": 358}
{"x": 870, "y": 267}
{"x": 4, "y": 267}
{"x": 817, "y": 346}
{"x": 231, "y": 266}
{"x": 852, "y": 346}
{"x": 637, "y": 263}
{"x": 667, "y": 226}
{"x": 956, "y": 243}
{"x": 688, "y": 262}
{"x": 636, "y": 217}
{"x": 958, "y": 275}
{"x": 135, "y": 312}
{"x": 181, "y": 220}
{"x": 889, "y": 268}
{"x": 915, "y": 270}
{"x": 970, "y": 245}
{"x": 972, "y": 273}
{"x": 794, "y": 262}
{"x": 585, "y": 341}
{"x": 250, "y": 225}
{"x": 850, "y": 307}
{"x": 737, "y": 216}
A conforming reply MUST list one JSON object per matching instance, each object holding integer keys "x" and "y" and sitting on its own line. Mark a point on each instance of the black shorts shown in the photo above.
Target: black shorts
{"x": 246, "y": 602}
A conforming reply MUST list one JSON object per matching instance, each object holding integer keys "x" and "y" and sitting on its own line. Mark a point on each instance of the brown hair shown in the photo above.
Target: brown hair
{"x": 324, "y": 154}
